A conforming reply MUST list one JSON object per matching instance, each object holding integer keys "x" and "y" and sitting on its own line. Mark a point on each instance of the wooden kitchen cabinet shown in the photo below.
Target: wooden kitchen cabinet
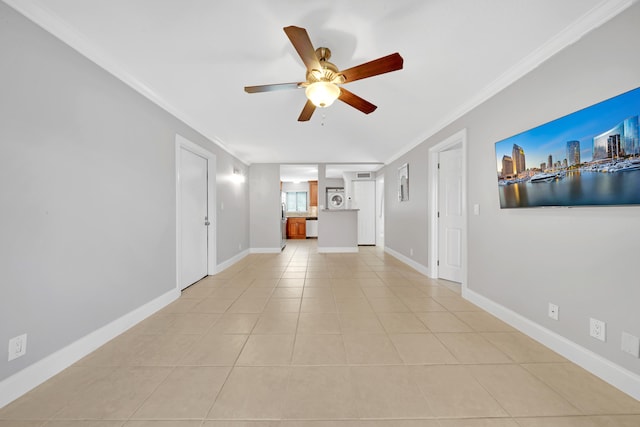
{"x": 296, "y": 228}
{"x": 313, "y": 193}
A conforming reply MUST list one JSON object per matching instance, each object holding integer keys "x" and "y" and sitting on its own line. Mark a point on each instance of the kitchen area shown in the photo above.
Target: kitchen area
{"x": 315, "y": 203}
{"x": 299, "y": 202}
{"x": 344, "y": 211}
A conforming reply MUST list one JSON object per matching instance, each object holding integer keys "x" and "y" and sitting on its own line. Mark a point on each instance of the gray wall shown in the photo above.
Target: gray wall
{"x": 583, "y": 259}
{"x": 406, "y": 223}
{"x": 87, "y": 194}
{"x": 265, "y": 216}
{"x": 338, "y": 229}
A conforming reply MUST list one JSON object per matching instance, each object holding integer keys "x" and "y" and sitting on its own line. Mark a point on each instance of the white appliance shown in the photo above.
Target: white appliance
{"x": 312, "y": 228}
{"x": 335, "y": 198}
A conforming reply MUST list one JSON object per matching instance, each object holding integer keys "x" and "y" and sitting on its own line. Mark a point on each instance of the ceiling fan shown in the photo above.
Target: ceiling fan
{"x": 324, "y": 80}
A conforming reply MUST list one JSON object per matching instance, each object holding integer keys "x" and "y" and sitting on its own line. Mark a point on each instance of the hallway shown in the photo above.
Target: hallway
{"x": 307, "y": 339}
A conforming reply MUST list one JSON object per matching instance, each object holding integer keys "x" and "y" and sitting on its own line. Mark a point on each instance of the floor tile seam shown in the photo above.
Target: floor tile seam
{"x": 235, "y": 361}
{"x": 350, "y": 365}
{"x": 52, "y": 420}
{"x": 512, "y": 360}
{"x": 35, "y": 419}
{"x": 583, "y": 415}
{"x": 495, "y": 399}
{"x": 386, "y": 331}
{"x": 219, "y": 392}
{"x": 295, "y": 335}
{"x": 354, "y": 419}
{"x": 285, "y": 399}
{"x": 556, "y": 389}
{"x": 124, "y": 419}
{"x": 93, "y": 381}
{"x": 202, "y": 420}
{"x": 562, "y": 397}
{"x": 403, "y": 364}
{"x": 173, "y": 369}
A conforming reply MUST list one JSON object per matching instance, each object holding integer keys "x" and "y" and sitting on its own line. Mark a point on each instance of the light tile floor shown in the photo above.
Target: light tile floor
{"x": 311, "y": 340}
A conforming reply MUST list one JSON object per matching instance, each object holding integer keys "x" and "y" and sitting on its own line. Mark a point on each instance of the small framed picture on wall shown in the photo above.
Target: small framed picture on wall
{"x": 403, "y": 182}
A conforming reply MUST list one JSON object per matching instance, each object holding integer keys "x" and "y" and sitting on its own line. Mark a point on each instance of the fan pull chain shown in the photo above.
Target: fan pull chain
{"x": 323, "y": 117}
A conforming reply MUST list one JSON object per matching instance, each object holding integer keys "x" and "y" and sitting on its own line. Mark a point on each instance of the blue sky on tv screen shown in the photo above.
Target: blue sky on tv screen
{"x": 551, "y": 138}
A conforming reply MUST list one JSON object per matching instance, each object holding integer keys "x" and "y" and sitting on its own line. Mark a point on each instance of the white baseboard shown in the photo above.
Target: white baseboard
{"x": 608, "y": 371}
{"x": 228, "y": 263}
{"x": 21, "y": 382}
{"x": 265, "y": 250}
{"x": 337, "y": 250}
{"x": 417, "y": 266}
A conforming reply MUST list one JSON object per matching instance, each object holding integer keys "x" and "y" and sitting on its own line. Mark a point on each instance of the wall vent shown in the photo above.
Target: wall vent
{"x": 363, "y": 175}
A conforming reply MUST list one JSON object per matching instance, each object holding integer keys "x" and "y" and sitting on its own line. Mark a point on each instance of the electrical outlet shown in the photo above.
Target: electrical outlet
{"x": 630, "y": 344}
{"x": 411, "y": 252}
{"x": 553, "y": 311}
{"x": 598, "y": 329}
{"x": 17, "y": 346}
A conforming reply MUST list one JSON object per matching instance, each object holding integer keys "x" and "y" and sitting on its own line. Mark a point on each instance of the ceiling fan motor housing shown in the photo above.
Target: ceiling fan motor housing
{"x": 329, "y": 71}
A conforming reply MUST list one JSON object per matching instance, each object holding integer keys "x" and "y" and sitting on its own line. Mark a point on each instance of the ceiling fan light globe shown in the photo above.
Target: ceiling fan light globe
{"x": 322, "y": 94}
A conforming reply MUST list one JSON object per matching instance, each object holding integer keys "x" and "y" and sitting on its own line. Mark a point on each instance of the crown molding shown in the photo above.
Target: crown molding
{"x": 54, "y": 25}
{"x": 594, "y": 18}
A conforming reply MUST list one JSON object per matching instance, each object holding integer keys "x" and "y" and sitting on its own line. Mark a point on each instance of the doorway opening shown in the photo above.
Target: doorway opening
{"x": 448, "y": 213}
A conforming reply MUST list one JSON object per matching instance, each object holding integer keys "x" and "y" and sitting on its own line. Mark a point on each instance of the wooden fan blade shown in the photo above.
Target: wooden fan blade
{"x": 382, "y": 65}
{"x": 271, "y": 88}
{"x": 356, "y": 102}
{"x": 301, "y": 42}
{"x": 307, "y": 111}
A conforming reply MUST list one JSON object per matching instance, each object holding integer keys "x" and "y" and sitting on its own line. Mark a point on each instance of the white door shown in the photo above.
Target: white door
{"x": 380, "y": 211}
{"x": 364, "y": 195}
{"x": 450, "y": 221}
{"x": 194, "y": 217}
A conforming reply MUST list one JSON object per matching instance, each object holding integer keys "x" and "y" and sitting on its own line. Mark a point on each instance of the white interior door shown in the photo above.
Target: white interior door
{"x": 364, "y": 194}
{"x": 450, "y": 221}
{"x": 380, "y": 211}
{"x": 194, "y": 217}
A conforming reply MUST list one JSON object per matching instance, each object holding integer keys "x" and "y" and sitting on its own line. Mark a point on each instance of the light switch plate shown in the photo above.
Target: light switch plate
{"x": 630, "y": 344}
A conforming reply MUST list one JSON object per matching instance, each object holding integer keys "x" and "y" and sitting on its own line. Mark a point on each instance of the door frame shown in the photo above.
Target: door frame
{"x": 184, "y": 144}
{"x": 459, "y": 138}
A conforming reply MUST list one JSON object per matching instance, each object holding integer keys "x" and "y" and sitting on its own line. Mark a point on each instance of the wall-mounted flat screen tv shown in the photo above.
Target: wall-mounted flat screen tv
{"x": 588, "y": 158}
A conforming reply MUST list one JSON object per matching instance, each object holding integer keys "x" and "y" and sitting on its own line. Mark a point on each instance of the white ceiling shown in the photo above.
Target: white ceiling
{"x": 193, "y": 57}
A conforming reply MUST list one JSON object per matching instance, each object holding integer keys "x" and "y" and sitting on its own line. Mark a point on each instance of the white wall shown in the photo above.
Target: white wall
{"x": 583, "y": 259}
{"x": 87, "y": 195}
